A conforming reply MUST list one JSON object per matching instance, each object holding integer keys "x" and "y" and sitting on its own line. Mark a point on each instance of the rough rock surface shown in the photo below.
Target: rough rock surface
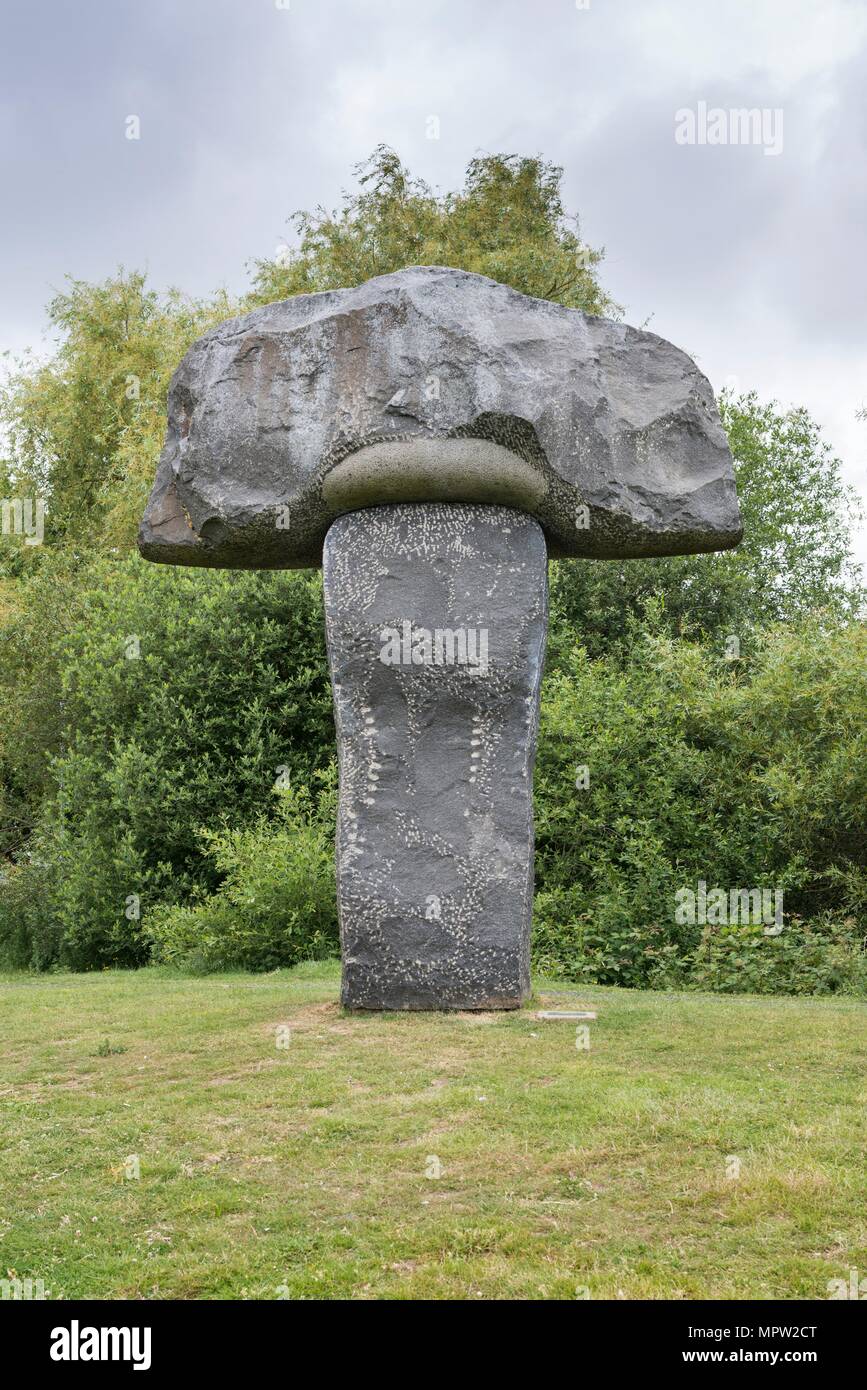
{"x": 435, "y": 823}
{"x": 433, "y": 384}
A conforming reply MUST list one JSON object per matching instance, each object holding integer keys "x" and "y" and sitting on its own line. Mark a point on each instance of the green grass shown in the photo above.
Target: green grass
{"x": 301, "y": 1171}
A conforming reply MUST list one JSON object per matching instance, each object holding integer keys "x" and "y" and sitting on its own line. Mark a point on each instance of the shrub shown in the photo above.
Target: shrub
{"x": 821, "y": 957}
{"x": 172, "y": 699}
{"x": 276, "y": 904}
{"x": 26, "y": 939}
{"x": 748, "y": 773}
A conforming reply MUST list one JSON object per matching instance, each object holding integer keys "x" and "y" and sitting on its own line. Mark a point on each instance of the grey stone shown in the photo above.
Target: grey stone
{"x": 435, "y": 429}
{"x": 433, "y": 384}
{"x": 569, "y": 1015}
{"x": 435, "y": 822}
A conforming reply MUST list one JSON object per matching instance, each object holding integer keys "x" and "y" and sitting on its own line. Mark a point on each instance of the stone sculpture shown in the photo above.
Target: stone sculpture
{"x": 430, "y": 437}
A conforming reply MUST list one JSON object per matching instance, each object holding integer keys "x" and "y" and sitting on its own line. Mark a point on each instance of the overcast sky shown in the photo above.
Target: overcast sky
{"x": 752, "y": 261}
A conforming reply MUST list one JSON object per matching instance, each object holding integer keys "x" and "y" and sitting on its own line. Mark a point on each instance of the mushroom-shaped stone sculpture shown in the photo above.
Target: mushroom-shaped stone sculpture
{"x": 430, "y": 437}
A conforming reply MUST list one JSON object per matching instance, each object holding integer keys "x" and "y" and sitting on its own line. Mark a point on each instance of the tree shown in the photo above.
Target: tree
{"x": 507, "y": 222}
{"x": 84, "y": 429}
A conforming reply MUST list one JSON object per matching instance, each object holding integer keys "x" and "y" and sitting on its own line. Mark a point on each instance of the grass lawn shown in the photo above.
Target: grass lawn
{"x": 308, "y": 1169}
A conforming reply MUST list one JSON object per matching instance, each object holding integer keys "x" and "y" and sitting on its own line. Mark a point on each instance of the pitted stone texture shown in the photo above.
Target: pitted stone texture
{"x": 435, "y": 822}
{"x": 433, "y": 384}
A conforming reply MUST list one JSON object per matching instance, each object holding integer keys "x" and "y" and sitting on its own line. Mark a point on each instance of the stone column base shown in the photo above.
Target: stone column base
{"x": 436, "y": 616}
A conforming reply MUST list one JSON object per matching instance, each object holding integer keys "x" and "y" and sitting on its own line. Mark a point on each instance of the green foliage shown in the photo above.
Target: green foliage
{"x": 170, "y": 699}
{"x": 507, "y": 222}
{"x": 85, "y": 428}
{"x": 826, "y": 956}
{"x": 27, "y": 938}
{"x": 796, "y": 555}
{"x": 276, "y": 903}
{"x": 748, "y": 774}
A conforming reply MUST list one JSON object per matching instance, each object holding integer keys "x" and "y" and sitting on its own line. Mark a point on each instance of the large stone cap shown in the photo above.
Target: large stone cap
{"x": 433, "y": 384}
